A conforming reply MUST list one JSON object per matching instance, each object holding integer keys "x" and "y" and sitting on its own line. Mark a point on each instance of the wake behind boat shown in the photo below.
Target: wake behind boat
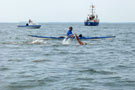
{"x": 30, "y": 24}
{"x": 62, "y": 37}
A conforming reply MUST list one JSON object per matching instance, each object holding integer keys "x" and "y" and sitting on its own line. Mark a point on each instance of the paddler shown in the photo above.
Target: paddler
{"x": 69, "y": 33}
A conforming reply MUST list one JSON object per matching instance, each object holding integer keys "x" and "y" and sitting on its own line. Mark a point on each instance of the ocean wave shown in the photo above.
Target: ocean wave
{"x": 94, "y": 71}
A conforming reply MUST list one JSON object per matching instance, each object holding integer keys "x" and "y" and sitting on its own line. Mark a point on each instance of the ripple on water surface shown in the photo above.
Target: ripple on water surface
{"x": 39, "y": 64}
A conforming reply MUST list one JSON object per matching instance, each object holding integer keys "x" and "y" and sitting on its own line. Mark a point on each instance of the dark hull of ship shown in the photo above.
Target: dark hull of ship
{"x": 91, "y": 23}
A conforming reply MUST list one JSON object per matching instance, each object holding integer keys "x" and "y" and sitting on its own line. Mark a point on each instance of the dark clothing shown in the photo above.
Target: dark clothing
{"x": 27, "y": 24}
{"x": 80, "y": 35}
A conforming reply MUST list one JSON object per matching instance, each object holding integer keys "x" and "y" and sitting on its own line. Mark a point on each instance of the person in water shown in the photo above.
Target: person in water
{"x": 69, "y": 33}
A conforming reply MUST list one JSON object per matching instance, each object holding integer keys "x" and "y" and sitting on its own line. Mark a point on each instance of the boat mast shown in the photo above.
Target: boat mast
{"x": 92, "y": 9}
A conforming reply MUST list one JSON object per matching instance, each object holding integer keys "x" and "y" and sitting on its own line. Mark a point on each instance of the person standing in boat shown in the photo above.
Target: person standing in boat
{"x": 30, "y": 22}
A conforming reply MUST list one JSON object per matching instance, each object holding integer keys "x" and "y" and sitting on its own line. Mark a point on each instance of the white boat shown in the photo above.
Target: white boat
{"x": 30, "y": 24}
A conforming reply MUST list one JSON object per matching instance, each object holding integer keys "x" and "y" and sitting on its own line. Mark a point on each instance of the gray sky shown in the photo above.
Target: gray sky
{"x": 66, "y": 10}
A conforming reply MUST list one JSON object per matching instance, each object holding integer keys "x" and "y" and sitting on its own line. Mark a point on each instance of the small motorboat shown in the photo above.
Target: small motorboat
{"x": 30, "y": 24}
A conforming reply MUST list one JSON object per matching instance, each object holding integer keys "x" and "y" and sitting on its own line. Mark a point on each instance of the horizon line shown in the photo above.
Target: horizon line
{"x": 70, "y": 22}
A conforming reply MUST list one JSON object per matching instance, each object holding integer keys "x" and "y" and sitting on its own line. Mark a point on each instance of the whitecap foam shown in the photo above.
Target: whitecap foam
{"x": 66, "y": 41}
{"x": 39, "y": 41}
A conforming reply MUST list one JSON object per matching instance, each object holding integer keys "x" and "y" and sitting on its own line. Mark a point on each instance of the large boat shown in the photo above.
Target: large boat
{"x": 30, "y": 24}
{"x": 92, "y": 18}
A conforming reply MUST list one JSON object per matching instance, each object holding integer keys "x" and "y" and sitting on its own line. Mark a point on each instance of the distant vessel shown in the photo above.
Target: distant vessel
{"x": 92, "y": 19}
{"x": 30, "y": 24}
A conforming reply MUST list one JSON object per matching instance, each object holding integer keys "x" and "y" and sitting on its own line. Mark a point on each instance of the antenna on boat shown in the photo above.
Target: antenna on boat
{"x": 92, "y": 6}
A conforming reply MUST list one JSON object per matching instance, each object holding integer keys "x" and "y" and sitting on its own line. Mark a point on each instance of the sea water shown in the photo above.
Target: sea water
{"x": 28, "y": 63}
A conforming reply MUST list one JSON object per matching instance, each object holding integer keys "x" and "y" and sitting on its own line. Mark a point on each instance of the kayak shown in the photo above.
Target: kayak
{"x": 59, "y": 38}
{"x": 30, "y": 26}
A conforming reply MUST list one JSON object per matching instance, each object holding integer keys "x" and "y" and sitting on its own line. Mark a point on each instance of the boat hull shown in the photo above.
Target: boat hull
{"x": 91, "y": 23}
{"x": 29, "y": 26}
{"x": 61, "y": 38}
